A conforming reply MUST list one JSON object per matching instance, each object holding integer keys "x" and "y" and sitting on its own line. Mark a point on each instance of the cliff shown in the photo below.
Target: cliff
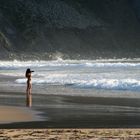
{"x": 76, "y": 29}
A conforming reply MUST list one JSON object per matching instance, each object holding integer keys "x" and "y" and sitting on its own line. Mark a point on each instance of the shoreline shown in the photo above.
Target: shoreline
{"x": 14, "y": 114}
{"x": 76, "y": 112}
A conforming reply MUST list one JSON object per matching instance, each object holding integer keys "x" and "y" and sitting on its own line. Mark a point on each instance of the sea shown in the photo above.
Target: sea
{"x": 101, "y": 77}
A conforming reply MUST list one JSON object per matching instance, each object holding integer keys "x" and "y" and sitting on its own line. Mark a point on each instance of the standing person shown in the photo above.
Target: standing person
{"x": 29, "y": 88}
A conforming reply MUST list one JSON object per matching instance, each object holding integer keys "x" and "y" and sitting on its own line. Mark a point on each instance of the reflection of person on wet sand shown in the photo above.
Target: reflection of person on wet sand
{"x": 29, "y": 88}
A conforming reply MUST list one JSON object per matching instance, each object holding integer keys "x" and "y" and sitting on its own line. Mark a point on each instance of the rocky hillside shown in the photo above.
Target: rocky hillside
{"x": 76, "y": 29}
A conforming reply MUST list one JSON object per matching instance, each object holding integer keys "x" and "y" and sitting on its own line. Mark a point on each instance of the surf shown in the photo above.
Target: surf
{"x": 83, "y": 74}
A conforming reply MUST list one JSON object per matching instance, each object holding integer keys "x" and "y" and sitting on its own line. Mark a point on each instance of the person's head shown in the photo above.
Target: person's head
{"x": 28, "y": 72}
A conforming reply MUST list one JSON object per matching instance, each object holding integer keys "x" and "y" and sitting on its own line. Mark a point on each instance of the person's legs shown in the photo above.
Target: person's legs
{"x": 28, "y": 95}
{"x": 27, "y": 92}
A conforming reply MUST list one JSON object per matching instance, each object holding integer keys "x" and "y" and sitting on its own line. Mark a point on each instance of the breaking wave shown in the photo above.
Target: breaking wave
{"x": 111, "y": 84}
{"x": 87, "y": 63}
{"x": 100, "y": 74}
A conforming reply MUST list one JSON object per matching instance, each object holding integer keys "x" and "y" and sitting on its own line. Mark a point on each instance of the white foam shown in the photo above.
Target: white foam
{"x": 99, "y": 74}
{"x": 122, "y": 84}
{"x": 84, "y": 63}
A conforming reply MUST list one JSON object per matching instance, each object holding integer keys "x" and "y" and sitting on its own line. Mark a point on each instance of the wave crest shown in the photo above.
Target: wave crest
{"x": 111, "y": 84}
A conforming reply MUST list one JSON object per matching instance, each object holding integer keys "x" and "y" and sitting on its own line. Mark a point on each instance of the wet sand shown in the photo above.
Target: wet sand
{"x": 12, "y": 114}
{"x": 76, "y": 111}
{"x": 68, "y": 117}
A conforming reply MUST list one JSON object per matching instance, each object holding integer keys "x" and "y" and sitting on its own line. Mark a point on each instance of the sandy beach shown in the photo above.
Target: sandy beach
{"x": 70, "y": 134}
{"x": 68, "y": 117}
{"x": 60, "y": 111}
{"x": 12, "y": 114}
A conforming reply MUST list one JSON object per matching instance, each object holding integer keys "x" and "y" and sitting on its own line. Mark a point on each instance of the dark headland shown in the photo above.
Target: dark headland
{"x": 70, "y": 29}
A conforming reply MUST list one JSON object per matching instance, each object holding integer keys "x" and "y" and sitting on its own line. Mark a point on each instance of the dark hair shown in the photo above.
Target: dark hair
{"x": 27, "y": 72}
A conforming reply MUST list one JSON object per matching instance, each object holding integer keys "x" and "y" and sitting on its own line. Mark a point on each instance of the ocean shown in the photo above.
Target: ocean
{"x": 102, "y": 77}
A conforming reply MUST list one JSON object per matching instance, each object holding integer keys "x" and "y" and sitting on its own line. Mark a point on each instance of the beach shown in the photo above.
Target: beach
{"x": 59, "y": 111}
{"x": 70, "y": 134}
{"x": 11, "y": 114}
{"x": 70, "y": 98}
{"x": 67, "y": 117}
